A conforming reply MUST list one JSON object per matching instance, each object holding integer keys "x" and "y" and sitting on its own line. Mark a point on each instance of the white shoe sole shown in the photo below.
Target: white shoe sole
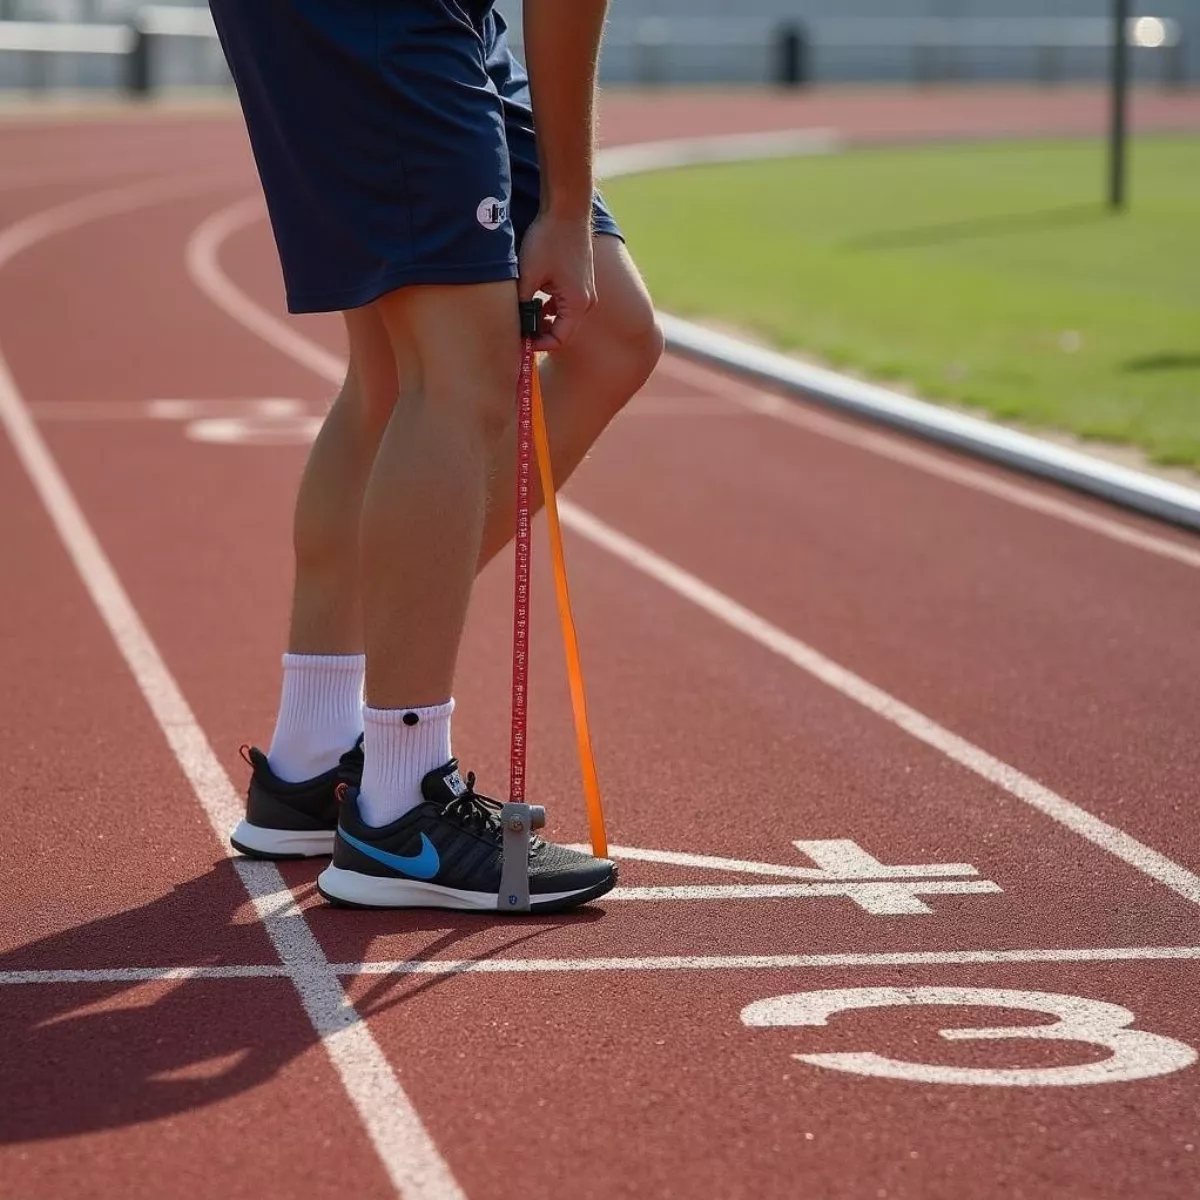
{"x": 376, "y": 891}
{"x": 282, "y": 843}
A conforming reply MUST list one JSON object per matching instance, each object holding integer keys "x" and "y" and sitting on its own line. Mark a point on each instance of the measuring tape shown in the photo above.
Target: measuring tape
{"x": 524, "y": 550}
{"x": 531, "y": 430}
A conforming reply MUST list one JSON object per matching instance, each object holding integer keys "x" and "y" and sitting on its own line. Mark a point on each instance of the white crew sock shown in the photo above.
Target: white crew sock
{"x": 320, "y": 714}
{"x": 402, "y": 745}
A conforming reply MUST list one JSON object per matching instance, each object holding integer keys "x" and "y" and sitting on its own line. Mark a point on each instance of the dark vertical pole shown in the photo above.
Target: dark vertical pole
{"x": 1120, "y": 106}
{"x": 792, "y": 65}
{"x": 137, "y": 66}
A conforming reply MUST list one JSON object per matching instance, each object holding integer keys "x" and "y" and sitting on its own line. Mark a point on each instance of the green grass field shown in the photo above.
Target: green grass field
{"x": 986, "y": 275}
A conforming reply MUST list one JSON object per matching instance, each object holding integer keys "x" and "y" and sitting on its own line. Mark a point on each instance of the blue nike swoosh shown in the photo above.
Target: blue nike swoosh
{"x": 420, "y": 866}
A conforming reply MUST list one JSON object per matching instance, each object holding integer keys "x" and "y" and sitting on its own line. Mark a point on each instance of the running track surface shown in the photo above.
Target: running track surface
{"x": 799, "y": 630}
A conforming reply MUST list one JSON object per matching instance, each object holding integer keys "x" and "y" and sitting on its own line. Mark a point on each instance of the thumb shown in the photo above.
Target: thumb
{"x": 528, "y": 285}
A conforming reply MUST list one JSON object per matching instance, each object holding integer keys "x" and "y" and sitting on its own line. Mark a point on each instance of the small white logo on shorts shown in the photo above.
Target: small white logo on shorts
{"x": 491, "y": 213}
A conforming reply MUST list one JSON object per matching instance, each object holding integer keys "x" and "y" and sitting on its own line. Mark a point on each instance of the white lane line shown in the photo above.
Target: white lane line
{"x": 742, "y": 866}
{"x": 881, "y": 899}
{"x": 201, "y": 259}
{"x": 272, "y": 407}
{"x": 637, "y": 158}
{"x": 767, "y": 962}
{"x": 405, "y": 1148}
{"x": 1017, "y": 784}
{"x": 535, "y": 966}
{"x": 135, "y": 975}
{"x": 767, "y": 404}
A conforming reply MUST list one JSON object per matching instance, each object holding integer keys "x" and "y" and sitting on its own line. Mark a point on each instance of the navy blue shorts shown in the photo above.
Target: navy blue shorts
{"x": 394, "y": 140}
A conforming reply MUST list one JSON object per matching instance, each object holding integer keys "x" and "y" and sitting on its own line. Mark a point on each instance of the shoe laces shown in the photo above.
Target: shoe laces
{"x": 480, "y": 814}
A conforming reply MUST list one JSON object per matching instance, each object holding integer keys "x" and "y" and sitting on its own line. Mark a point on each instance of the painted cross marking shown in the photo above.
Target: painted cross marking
{"x": 843, "y": 868}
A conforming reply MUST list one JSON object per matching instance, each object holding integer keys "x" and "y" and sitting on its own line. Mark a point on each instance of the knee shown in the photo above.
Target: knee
{"x": 363, "y": 408}
{"x": 479, "y": 388}
{"x": 647, "y": 347}
{"x": 626, "y": 345}
{"x": 458, "y": 350}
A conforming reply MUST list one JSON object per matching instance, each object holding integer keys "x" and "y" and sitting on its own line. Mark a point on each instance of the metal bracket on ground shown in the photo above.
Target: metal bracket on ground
{"x": 519, "y": 822}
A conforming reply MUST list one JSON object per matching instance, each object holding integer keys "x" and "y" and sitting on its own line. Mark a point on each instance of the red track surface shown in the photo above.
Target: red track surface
{"x": 1066, "y": 654}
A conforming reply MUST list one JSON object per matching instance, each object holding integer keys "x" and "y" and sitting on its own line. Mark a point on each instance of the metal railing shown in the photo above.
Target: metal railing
{"x": 134, "y": 47}
{"x": 658, "y": 50}
{"x": 920, "y": 49}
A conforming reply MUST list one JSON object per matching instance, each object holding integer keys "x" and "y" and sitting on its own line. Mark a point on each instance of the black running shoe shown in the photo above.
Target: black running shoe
{"x": 292, "y": 820}
{"x": 446, "y": 853}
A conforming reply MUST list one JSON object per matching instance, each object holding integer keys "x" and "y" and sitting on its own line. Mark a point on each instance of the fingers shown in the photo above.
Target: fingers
{"x": 561, "y": 319}
{"x": 561, "y": 330}
{"x": 556, "y": 259}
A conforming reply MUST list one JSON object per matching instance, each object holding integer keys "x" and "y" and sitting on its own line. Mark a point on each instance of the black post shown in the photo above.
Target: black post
{"x": 792, "y": 49}
{"x": 137, "y": 78}
{"x": 1120, "y": 106}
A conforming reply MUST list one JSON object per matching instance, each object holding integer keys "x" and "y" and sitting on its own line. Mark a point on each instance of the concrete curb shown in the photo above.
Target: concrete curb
{"x": 1124, "y": 486}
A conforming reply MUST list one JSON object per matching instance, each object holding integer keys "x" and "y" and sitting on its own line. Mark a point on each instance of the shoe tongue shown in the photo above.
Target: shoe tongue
{"x": 443, "y": 784}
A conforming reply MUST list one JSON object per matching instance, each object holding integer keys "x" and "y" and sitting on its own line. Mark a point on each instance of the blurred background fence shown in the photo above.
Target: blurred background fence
{"x": 121, "y": 44}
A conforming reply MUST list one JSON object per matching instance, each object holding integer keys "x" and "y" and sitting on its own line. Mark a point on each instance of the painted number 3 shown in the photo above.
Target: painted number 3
{"x": 1134, "y": 1053}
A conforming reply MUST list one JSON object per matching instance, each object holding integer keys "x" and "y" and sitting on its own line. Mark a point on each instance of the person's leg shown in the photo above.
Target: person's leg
{"x": 325, "y": 615}
{"x": 457, "y": 354}
{"x": 319, "y": 716}
{"x": 584, "y": 385}
{"x": 415, "y": 832}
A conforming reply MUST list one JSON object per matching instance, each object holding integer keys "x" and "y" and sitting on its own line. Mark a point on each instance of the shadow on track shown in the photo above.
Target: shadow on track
{"x": 82, "y": 1057}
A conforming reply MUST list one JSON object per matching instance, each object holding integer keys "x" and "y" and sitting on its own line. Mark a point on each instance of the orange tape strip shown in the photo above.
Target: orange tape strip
{"x": 587, "y": 761}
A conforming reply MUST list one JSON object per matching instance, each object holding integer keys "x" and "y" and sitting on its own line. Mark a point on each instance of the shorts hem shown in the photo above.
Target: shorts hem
{"x": 412, "y": 276}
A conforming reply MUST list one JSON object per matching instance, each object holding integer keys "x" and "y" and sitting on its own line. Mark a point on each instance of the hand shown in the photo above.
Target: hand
{"x": 556, "y": 258}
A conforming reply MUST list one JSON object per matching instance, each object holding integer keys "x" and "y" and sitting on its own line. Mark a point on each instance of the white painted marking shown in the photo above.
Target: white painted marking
{"x": 722, "y": 148}
{"x": 1100, "y": 833}
{"x": 173, "y": 410}
{"x": 773, "y": 962}
{"x": 898, "y": 450}
{"x": 405, "y": 1148}
{"x": 1017, "y": 784}
{"x": 841, "y": 865}
{"x": 844, "y": 859}
{"x": 876, "y": 898}
{"x": 201, "y": 260}
{"x": 537, "y": 966}
{"x": 1135, "y": 1054}
{"x": 72, "y": 410}
{"x": 255, "y": 431}
{"x": 861, "y": 862}
{"x": 135, "y": 975}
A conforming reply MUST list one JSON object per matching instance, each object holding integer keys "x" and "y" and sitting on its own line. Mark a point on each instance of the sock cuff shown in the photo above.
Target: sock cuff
{"x": 404, "y": 716}
{"x": 330, "y": 663}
